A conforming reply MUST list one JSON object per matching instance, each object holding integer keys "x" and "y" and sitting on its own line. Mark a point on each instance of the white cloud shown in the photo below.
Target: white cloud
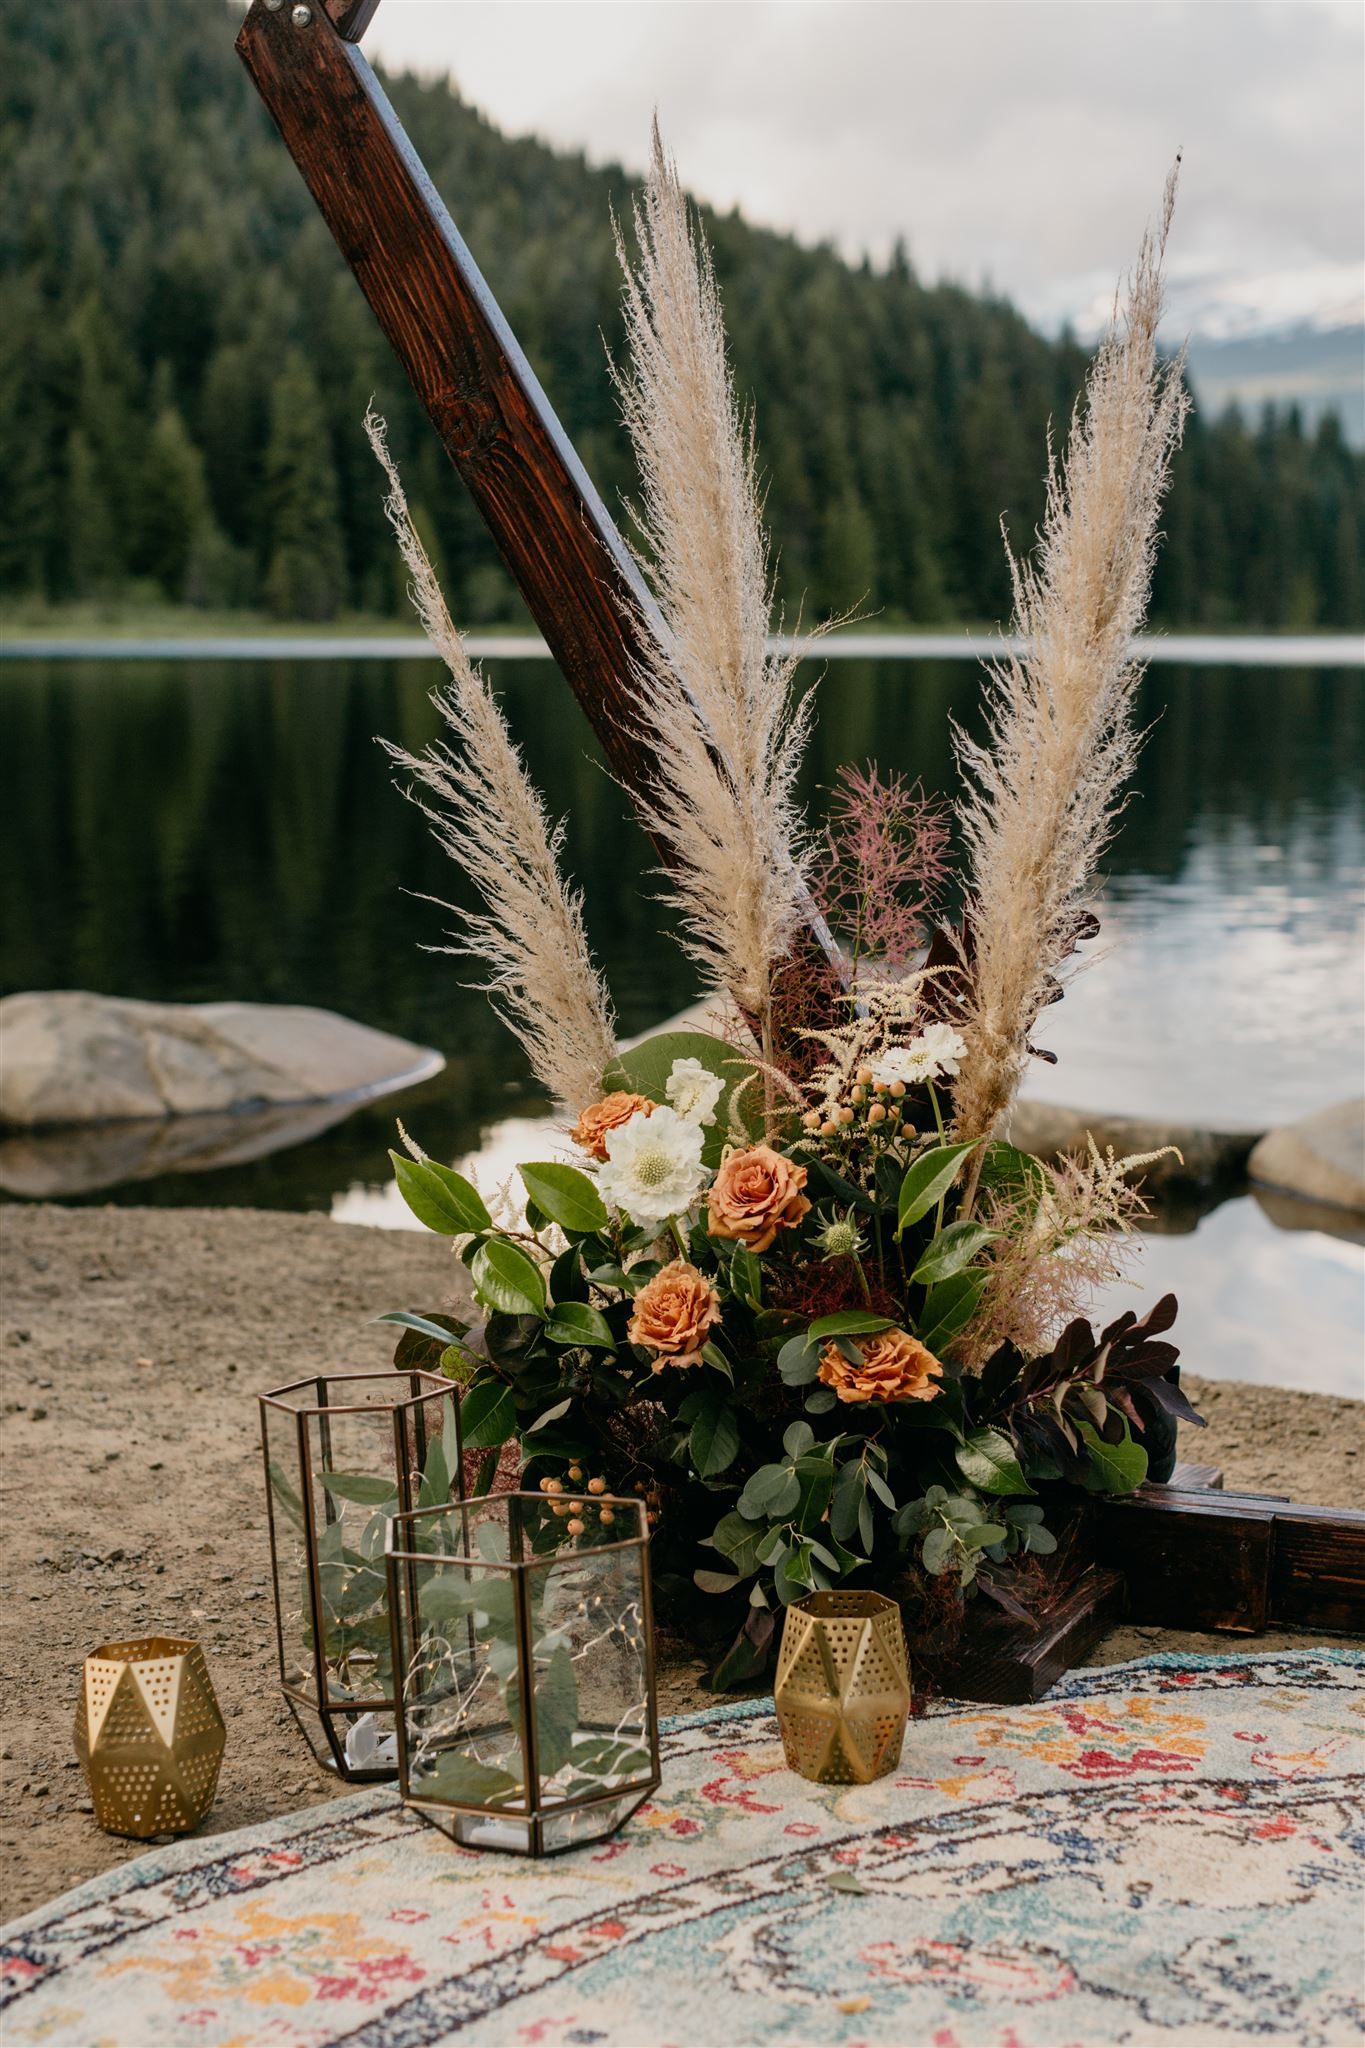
{"x": 1020, "y": 142}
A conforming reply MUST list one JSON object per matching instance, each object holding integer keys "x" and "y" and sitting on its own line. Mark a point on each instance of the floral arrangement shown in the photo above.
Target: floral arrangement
{"x": 791, "y": 1283}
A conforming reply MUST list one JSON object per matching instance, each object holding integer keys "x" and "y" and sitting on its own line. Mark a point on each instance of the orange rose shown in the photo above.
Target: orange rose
{"x": 673, "y": 1313}
{"x": 600, "y": 1117}
{"x": 754, "y": 1195}
{"x": 895, "y": 1367}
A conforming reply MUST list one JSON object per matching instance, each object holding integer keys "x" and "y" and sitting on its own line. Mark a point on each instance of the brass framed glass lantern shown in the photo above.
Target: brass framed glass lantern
{"x": 523, "y": 1639}
{"x": 343, "y": 1452}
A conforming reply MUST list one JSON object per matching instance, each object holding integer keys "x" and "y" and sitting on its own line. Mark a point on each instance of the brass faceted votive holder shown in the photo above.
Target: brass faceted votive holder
{"x": 149, "y": 1735}
{"x": 843, "y": 1687}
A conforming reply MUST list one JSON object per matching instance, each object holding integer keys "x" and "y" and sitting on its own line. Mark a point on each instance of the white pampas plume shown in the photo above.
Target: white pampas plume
{"x": 714, "y": 707}
{"x": 1044, "y": 791}
{"x": 488, "y": 816}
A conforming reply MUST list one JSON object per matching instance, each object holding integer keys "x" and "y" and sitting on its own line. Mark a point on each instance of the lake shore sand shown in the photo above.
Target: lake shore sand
{"x": 134, "y": 1343}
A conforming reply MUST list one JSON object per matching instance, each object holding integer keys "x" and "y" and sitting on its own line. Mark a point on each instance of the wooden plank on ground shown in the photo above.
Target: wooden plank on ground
{"x": 1007, "y": 1662}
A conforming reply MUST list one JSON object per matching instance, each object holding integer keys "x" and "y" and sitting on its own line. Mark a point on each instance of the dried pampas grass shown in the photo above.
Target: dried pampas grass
{"x": 490, "y": 819}
{"x": 715, "y": 708}
{"x": 1043, "y": 793}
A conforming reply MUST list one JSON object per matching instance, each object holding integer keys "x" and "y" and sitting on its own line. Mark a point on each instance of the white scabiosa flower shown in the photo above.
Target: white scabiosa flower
{"x": 937, "y": 1050}
{"x": 694, "y": 1091}
{"x": 653, "y": 1166}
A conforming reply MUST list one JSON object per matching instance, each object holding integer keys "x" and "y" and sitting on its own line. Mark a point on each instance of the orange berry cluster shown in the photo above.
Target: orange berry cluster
{"x": 574, "y": 1509}
{"x": 875, "y": 1102}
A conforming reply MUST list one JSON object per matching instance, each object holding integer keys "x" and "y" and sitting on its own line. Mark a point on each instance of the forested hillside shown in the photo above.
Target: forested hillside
{"x": 184, "y": 362}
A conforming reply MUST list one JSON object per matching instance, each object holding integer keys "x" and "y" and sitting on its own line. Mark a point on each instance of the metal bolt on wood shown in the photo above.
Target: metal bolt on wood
{"x": 301, "y": 16}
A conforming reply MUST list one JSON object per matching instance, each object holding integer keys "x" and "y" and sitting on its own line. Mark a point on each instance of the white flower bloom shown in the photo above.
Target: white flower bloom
{"x": 653, "y": 1166}
{"x": 694, "y": 1091}
{"x": 937, "y": 1050}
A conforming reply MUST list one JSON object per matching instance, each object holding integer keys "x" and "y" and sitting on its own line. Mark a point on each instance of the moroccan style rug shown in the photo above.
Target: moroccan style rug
{"x": 1166, "y": 1850}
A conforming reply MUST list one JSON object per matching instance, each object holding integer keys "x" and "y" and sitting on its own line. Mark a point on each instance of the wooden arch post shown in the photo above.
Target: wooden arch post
{"x": 1186, "y": 1555}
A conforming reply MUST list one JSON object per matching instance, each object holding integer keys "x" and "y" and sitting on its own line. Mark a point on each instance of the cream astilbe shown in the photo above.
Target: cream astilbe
{"x": 489, "y": 817}
{"x": 715, "y": 709}
{"x": 1072, "y": 1233}
{"x": 1043, "y": 792}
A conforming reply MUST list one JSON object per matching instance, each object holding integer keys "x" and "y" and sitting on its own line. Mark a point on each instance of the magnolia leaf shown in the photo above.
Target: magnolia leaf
{"x": 573, "y": 1322}
{"x": 565, "y": 1195}
{"x": 422, "y": 1324}
{"x": 551, "y": 1415}
{"x": 988, "y": 1460}
{"x": 714, "y": 1439}
{"x": 488, "y": 1416}
{"x": 851, "y": 1322}
{"x": 951, "y": 1250}
{"x": 645, "y": 1069}
{"x": 437, "y": 1196}
{"x": 507, "y": 1279}
{"x": 928, "y": 1180}
{"x": 948, "y": 1308}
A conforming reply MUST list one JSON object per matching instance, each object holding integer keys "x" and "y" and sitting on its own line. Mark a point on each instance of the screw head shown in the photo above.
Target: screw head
{"x": 301, "y": 16}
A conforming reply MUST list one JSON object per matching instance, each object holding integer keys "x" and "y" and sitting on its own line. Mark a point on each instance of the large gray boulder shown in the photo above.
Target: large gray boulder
{"x": 1320, "y": 1159}
{"x": 1208, "y": 1158}
{"x": 74, "y": 1058}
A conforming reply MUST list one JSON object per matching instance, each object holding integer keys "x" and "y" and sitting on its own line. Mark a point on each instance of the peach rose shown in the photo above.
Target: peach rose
{"x": 600, "y": 1117}
{"x": 673, "y": 1313}
{"x": 754, "y": 1195}
{"x": 895, "y": 1367}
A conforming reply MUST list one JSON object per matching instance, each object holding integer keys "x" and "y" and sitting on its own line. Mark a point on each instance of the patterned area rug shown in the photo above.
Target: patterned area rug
{"x": 1166, "y": 1850}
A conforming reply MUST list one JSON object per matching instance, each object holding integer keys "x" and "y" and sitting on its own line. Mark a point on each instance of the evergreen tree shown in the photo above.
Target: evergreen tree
{"x": 305, "y": 573}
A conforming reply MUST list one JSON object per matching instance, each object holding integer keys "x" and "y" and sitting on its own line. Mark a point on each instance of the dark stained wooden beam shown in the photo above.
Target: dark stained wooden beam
{"x": 1236, "y": 1561}
{"x": 553, "y": 531}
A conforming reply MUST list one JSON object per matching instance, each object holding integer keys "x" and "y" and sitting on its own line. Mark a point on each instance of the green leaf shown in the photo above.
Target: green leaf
{"x": 554, "y": 1699}
{"x": 718, "y": 1362}
{"x": 931, "y": 1176}
{"x": 773, "y": 1490}
{"x": 851, "y": 1322}
{"x": 463, "y": 1781}
{"x": 951, "y": 1250}
{"x": 948, "y": 1308}
{"x": 797, "y": 1439}
{"x": 435, "y": 1486}
{"x": 573, "y": 1322}
{"x": 1113, "y": 1468}
{"x": 939, "y": 1549}
{"x": 565, "y": 1195}
{"x": 442, "y": 1199}
{"x": 357, "y": 1486}
{"x": 506, "y": 1279}
{"x": 286, "y": 1496}
{"x": 821, "y": 1401}
{"x": 714, "y": 1439}
{"x": 715, "y": 1582}
{"x": 488, "y": 1415}
{"x": 550, "y": 1415}
{"x": 738, "y": 1539}
{"x": 987, "y": 1459}
{"x": 645, "y": 1068}
{"x": 422, "y": 1324}
{"x": 798, "y": 1361}
{"x": 845, "y": 1881}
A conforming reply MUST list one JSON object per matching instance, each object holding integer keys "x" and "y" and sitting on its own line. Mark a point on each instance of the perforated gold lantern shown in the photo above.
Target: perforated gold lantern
{"x": 843, "y": 1687}
{"x": 149, "y": 1735}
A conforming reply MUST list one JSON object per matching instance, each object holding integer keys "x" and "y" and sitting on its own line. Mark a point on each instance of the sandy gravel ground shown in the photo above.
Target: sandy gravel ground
{"x": 133, "y": 1344}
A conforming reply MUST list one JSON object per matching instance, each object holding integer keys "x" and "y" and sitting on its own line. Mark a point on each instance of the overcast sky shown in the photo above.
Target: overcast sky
{"x": 1020, "y": 142}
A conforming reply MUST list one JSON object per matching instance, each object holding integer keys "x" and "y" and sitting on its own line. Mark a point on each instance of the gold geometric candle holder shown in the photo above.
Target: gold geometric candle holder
{"x": 149, "y": 1735}
{"x": 843, "y": 1687}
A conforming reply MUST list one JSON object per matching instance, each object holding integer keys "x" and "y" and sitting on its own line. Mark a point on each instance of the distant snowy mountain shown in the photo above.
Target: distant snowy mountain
{"x": 1318, "y": 368}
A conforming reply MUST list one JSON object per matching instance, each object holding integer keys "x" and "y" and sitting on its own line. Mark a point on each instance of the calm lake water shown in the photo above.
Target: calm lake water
{"x": 202, "y": 829}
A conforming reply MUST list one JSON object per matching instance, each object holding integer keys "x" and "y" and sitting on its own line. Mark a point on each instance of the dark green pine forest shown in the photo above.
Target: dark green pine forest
{"x": 185, "y": 361}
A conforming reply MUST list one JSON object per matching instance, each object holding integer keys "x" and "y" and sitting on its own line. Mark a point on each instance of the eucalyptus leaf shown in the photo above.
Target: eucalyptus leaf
{"x": 798, "y": 1361}
{"x": 462, "y": 1781}
{"x": 715, "y": 1582}
{"x": 359, "y": 1487}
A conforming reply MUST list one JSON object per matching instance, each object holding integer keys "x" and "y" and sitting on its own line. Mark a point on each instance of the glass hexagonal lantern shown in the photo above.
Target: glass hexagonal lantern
{"x": 343, "y": 1452}
{"x": 524, "y": 1644}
